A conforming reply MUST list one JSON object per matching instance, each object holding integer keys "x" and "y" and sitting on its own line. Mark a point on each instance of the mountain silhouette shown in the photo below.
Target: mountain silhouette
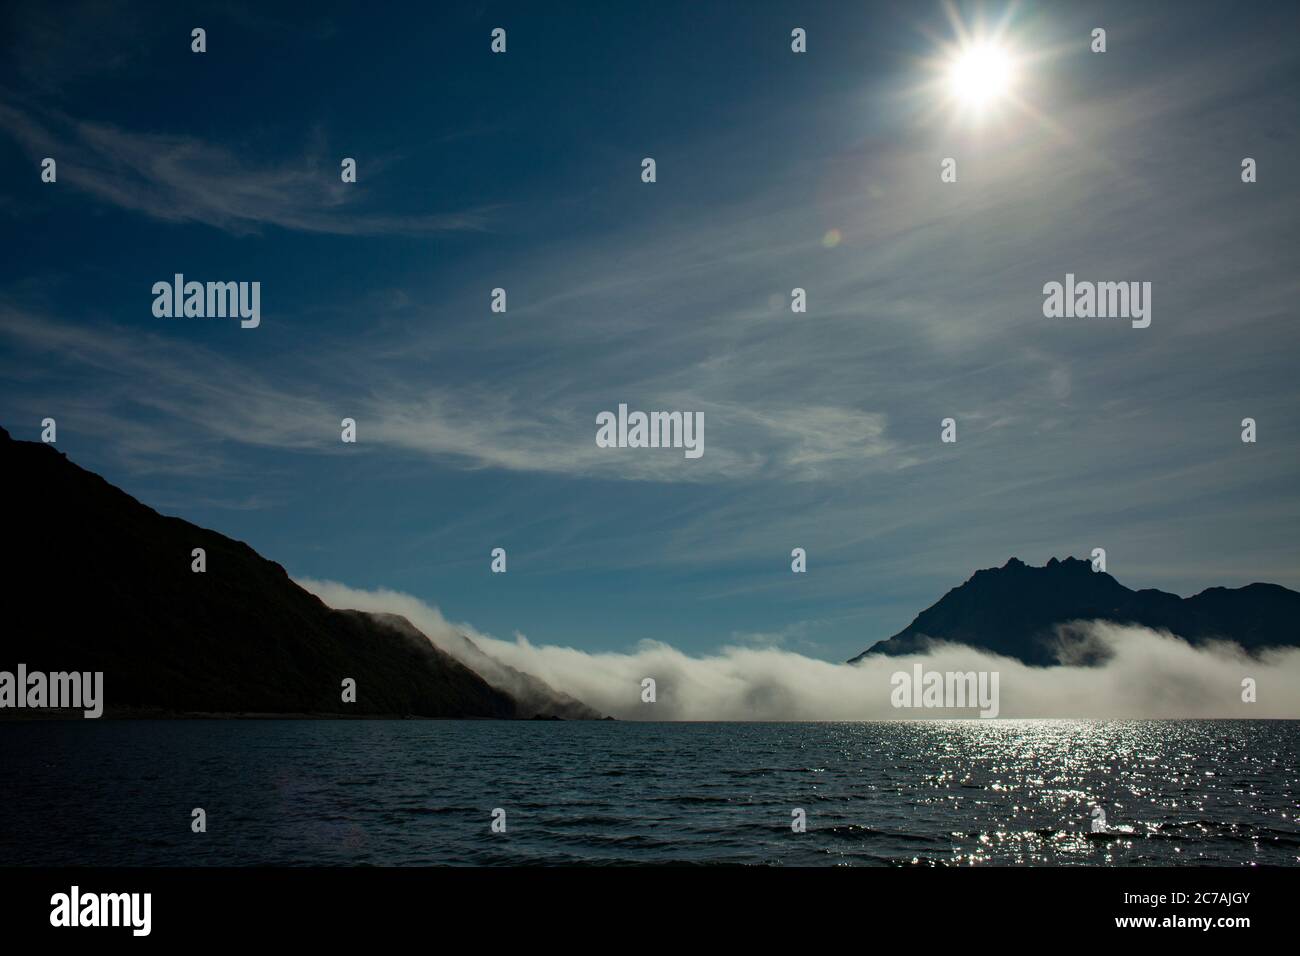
{"x": 1014, "y": 610}
{"x": 100, "y": 582}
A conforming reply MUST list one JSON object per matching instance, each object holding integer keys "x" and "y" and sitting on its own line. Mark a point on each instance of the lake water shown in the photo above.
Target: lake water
{"x": 423, "y": 792}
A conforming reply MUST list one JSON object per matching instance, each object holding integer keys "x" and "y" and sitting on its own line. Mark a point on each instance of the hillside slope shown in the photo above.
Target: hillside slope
{"x": 97, "y": 581}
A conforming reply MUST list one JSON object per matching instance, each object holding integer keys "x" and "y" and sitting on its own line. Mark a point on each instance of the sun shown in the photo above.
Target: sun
{"x": 980, "y": 74}
{"x": 986, "y": 73}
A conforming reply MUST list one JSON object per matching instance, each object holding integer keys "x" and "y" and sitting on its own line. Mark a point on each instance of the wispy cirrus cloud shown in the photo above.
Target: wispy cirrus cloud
{"x": 184, "y": 179}
{"x": 821, "y": 428}
{"x": 201, "y": 398}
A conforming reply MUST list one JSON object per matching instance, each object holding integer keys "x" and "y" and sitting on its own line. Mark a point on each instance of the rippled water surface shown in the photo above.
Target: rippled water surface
{"x": 423, "y": 792}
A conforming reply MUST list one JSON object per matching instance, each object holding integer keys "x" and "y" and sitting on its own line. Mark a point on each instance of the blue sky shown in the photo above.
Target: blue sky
{"x": 523, "y": 171}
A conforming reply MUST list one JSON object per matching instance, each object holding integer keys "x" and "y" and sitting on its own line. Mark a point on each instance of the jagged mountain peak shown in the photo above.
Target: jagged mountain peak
{"x": 1014, "y": 609}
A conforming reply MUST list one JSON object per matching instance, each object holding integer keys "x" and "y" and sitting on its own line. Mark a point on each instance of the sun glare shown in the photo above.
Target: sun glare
{"x": 980, "y": 74}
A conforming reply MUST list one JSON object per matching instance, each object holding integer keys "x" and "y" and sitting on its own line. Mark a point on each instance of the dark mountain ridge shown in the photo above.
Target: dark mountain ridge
{"x": 98, "y": 581}
{"x": 1014, "y": 610}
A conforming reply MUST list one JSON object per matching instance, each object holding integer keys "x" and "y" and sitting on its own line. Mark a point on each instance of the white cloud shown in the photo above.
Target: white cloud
{"x": 184, "y": 179}
{"x": 1149, "y": 675}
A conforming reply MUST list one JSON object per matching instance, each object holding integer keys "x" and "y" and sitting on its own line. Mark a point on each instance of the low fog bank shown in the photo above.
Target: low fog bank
{"x": 533, "y": 696}
{"x": 1147, "y": 674}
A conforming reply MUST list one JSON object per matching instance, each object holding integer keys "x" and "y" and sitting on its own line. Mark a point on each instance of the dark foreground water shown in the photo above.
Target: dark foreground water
{"x": 416, "y": 792}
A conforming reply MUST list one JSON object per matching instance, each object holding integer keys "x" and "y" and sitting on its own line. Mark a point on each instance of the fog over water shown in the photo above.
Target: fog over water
{"x": 1147, "y": 674}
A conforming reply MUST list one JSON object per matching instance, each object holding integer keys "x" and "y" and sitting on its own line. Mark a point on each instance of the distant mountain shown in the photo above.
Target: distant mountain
{"x": 1012, "y": 610}
{"x": 97, "y": 581}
